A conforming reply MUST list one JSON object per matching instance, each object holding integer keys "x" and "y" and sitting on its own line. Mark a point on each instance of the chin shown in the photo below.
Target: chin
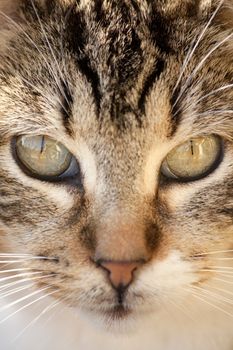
{"x": 116, "y": 320}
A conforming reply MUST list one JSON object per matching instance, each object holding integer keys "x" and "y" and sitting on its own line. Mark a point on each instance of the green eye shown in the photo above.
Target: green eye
{"x": 43, "y": 156}
{"x": 193, "y": 159}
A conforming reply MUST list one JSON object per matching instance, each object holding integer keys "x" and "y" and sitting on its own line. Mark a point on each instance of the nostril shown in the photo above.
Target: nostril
{"x": 120, "y": 274}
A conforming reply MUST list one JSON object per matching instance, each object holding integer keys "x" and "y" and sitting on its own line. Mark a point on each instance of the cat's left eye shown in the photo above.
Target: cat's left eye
{"x": 194, "y": 159}
{"x": 45, "y": 158}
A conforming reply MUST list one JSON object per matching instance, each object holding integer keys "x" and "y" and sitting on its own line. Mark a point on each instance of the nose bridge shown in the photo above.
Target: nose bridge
{"x": 120, "y": 210}
{"x": 121, "y": 237}
{"x": 120, "y": 171}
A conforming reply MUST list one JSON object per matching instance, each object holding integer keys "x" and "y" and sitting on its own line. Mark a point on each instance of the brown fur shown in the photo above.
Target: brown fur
{"x": 118, "y": 65}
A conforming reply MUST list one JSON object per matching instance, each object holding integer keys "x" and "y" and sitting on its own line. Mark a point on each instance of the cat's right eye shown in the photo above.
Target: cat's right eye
{"x": 45, "y": 158}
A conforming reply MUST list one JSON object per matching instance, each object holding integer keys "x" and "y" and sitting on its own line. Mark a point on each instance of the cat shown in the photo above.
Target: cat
{"x": 116, "y": 174}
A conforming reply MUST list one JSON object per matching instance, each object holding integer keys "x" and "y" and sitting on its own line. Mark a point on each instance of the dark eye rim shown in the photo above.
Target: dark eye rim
{"x": 74, "y": 179}
{"x": 184, "y": 180}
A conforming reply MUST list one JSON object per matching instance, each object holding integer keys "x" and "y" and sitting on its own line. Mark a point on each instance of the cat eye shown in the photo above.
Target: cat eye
{"x": 45, "y": 158}
{"x": 194, "y": 159}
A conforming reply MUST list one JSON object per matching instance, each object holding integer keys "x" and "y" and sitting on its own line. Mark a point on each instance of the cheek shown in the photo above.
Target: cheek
{"x": 38, "y": 225}
{"x": 200, "y": 215}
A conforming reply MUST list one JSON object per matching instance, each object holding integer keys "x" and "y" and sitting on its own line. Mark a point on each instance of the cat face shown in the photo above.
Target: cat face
{"x": 133, "y": 102}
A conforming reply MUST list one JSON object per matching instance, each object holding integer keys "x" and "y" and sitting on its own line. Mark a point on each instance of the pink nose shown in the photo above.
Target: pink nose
{"x": 120, "y": 274}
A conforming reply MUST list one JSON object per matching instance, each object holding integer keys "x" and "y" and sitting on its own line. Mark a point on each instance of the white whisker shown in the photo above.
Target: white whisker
{"x": 181, "y": 308}
{"x": 223, "y": 290}
{"x": 11, "y": 284}
{"x": 215, "y": 252}
{"x": 199, "y": 66}
{"x": 192, "y": 51}
{"x": 3, "y": 279}
{"x": 222, "y": 88}
{"x": 20, "y": 28}
{"x": 215, "y": 112}
{"x": 52, "y": 53}
{"x": 26, "y": 306}
{"x": 13, "y": 261}
{"x": 15, "y": 291}
{"x": 220, "y": 298}
{"x": 8, "y": 306}
{"x": 41, "y": 92}
{"x": 222, "y": 272}
{"x": 202, "y": 298}
{"x": 222, "y": 267}
{"x": 14, "y": 255}
{"x": 14, "y": 270}
{"x": 222, "y": 280}
{"x": 47, "y": 309}
{"x": 60, "y": 310}
{"x": 26, "y": 259}
{"x": 221, "y": 259}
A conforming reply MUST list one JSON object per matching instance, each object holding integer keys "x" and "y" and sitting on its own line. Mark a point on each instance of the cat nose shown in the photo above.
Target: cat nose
{"x": 120, "y": 274}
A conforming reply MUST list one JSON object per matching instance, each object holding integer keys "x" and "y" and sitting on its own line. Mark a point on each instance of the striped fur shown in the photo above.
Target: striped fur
{"x": 112, "y": 82}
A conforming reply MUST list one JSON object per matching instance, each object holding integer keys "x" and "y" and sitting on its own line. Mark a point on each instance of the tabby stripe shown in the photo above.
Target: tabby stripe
{"x": 176, "y": 112}
{"x": 66, "y": 109}
{"x": 77, "y": 40}
{"x": 85, "y": 68}
{"x": 159, "y": 32}
{"x": 152, "y": 78}
{"x": 99, "y": 13}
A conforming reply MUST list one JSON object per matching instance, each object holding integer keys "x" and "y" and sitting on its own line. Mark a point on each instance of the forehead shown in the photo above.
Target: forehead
{"x": 113, "y": 59}
{"x": 122, "y": 49}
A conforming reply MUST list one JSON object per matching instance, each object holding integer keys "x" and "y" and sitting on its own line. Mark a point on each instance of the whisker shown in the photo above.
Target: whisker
{"x": 14, "y": 255}
{"x": 221, "y": 259}
{"x": 46, "y": 309}
{"x": 14, "y": 270}
{"x": 52, "y": 53}
{"x": 13, "y": 261}
{"x": 223, "y": 272}
{"x": 223, "y": 290}
{"x": 15, "y": 291}
{"x": 26, "y": 306}
{"x": 60, "y": 310}
{"x": 11, "y": 284}
{"x": 222, "y": 267}
{"x": 197, "y": 295}
{"x": 191, "y": 53}
{"x": 20, "y": 28}
{"x": 23, "y": 298}
{"x": 19, "y": 276}
{"x": 222, "y": 88}
{"x": 222, "y": 280}
{"x": 198, "y": 67}
{"x": 214, "y": 295}
{"x": 214, "y": 112}
{"x": 215, "y": 252}
{"x": 181, "y": 308}
{"x": 41, "y": 92}
{"x": 27, "y": 259}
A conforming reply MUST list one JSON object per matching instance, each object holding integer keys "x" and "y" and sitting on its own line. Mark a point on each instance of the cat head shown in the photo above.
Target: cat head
{"x": 116, "y": 151}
